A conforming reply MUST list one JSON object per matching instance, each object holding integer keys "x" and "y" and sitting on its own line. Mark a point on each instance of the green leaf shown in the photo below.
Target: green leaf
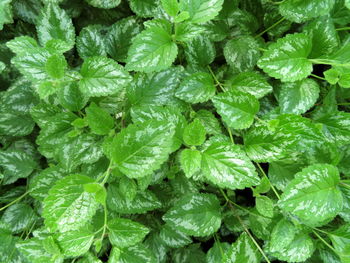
{"x": 119, "y": 39}
{"x": 173, "y": 237}
{"x": 236, "y": 108}
{"x": 68, "y": 206}
{"x": 22, "y": 45}
{"x": 201, "y": 10}
{"x": 140, "y": 149}
{"x": 71, "y": 97}
{"x": 56, "y": 66}
{"x": 194, "y": 133}
{"x": 190, "y": 161}
{"x": 136, "y": 254}
{"x": 200, "y": 51}
{"x": 242, "y": 53}
{"x": 195, "y": 214}
{"x": 298, "y": 97}
{"x": 90, "y": 42}
{"x": 98, "y": 190}
{"x": 125, "y": 232}
{"x": 102, "y": 76}
{"x": 145, "y": 8}
{"x": 252, "y": 83}
{"x": 186, "y": 31}
{"x": 282, "y": 236}
{"x": 264, "y": 205}
{"x": 33, "y": 251}
{"x": 299, "y": 250}
{"x": 75, "y": 243}
{"x": 215, "y": 253}
{"x": 5, "y": 13}
{"x": 54, "y": 23}
{"x": 19, "y": 217}
{"x": 106, "y": 4}
{"x": 340, "y": 240}
{"x": 227, "y": 166}
{"x": 243, "y": 250}
{"x": 192, "y": 253}
{"x": 300, "y": 11}
{"x": 143, "y": 201}
{"x": 196, "y": 88}
{"x": 287, "y": 58}
{"x": 99, "y": 120}
{"x": 152, "y": 50}
{"x": 211, "y": 124}
{"x": 170, "y": 6}
{"x": 313, "y": 195}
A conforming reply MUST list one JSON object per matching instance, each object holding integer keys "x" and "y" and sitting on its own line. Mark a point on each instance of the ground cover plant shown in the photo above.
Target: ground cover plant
{"x": 174, "y": 131}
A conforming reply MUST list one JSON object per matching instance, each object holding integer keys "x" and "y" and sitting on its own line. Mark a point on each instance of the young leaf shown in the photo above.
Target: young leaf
{"x": 140, "y": 149}
{"x": 287, "y": 58}
{"x": 152, "y": 50}
{"x": 99, "y": 120}
{"x": 68, "y": 206}
{"x": 194, "y": 133}
{"x": 56, "y": 66}
{"x": 282, "y": 235}
{"x": 102, "y": 76}
{"x": 190, "y": 161}
{"x": 226, "y": 165}
{"x": 264, "y": 205}
{"x": 125, "y": 232}
{"x": 236, "y": 108}
{"x": 170, "y": 6}
{"x": 313, "y": 195}
{"x": 195, "y": 214}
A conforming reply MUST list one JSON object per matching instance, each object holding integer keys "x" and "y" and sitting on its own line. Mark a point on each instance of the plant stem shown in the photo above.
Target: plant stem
{"x": 253, "y": 239}
{"x": 14, "y": 201}
{"x": 272, "y": 187}
{"x": 324, "y": 241}
{"x": 216, "y": 79}
{"x": 230, "y": 134}
{"x": 270, "y": 27}
{"x": 344, "y": 184}
{"x": 342, "y": 28}
{"x": 317, "y": 77}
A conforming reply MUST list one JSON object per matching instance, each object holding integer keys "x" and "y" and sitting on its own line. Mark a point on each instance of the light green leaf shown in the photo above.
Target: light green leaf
{"x": 170, "y": 6}
{"x": 56, "y": 66}
{"x": 125, "y": 232}
{"x": 33, "y": 250}
{"x": 302, "y": 10}
{"x": 5, "y": 13}
{"x": 173, "y": 237}
{"x": 287, "y": 58}
{"x": 264, "y": 205}
{"x": 102, "y": 76}
{"x": 282, "y": 235}
{"x": 136, "y": 254}
{"x": 201, "y": 10}
{"x": 190, "y": 161}
{"x": 141, "y": 148}
{"x": 99, "y": 120}
{"x": 90, "y": 42}
{"x": 298, "y": 97}
{"x": 106, "y": 4}
{"x": 144, "y": 201}
{"x": 195, "y": 214}
{"x": 128, "y": 188}
{"x": 341, "y": 242}
{"x": 252, "y": 83}
{"x": 54, "y": 23}
{"x": 19, "y": 217}
{"x": 200, "y": 51}
{"x": 194, "y": 133}
{"x": 118, "y": 40}
{"x": 152, "y": 50}
{"x": 68, "y": 206}
{"x": 22, "y": 45}
{"x": 186, "y": 31}
{"x": 75, "y": 243}
{"x": 210, "y": 122}
{"x": 236, "y": 108}
{"x": 196, "y": 88}
{"x": 242, "y": 53}
{"x": 243, "y": 250}
{"x": 227, "y": 166}
{"x": 313, "y": 195}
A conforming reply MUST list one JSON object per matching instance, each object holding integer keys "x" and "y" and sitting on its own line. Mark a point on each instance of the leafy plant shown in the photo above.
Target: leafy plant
{"x": 177, "y": 131}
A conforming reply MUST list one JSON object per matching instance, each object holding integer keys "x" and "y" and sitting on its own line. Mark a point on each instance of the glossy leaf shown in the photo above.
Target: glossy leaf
{"x": 75, "y": 243}
{"x": 99, "y": 120}
{"x": 194, "y": 133}
{"x": 190, "y": 161}
{"x": 106, "y": 4}
{"x": 201, "y": 10}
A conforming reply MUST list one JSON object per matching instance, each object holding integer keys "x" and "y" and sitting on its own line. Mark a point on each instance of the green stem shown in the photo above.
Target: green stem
{"x": 14, "y": 201}
{"x": 343, "y": 104}
{"x": 344, "y": 184}
{"x": 230, "y": 134}
{"x": 105, "y": 222}
{"x": 320, "y": 230}
{"x": 216, "y": 79}
{"x": 329, "y": 62}
{"x": 342, "y": 28}
{"x": 272, "y": 187}
{"x": 253, "y": 239}
{"x": 317, "y": 77}
{"x": 105, "y": 174}
{"x": 324, "y": 241}
{"x": 270, "y": 27}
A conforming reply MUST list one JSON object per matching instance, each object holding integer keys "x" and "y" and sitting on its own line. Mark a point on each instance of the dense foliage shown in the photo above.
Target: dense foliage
{"x": 154, "y": 131}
